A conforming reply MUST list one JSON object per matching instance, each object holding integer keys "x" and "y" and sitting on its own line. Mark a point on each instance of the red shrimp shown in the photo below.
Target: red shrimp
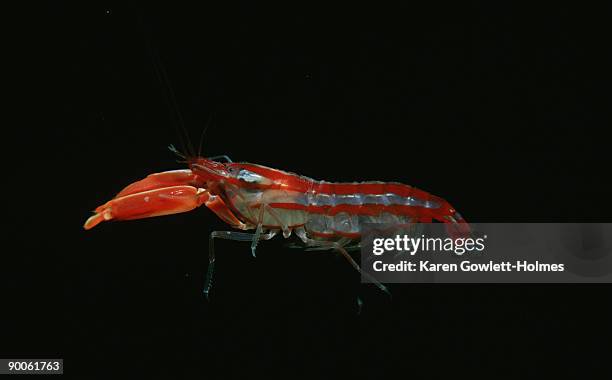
{"x": 323, "y": 215}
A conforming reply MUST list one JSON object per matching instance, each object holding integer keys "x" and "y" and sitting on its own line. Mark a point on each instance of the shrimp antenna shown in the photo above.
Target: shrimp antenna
{"x": 208, "y": 123}
{"x": 173, "y": 149}
{"x": 169, "y": 95}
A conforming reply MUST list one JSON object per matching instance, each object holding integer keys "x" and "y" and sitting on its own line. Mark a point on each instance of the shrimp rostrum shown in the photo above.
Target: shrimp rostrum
{"x": 323, "y": 215}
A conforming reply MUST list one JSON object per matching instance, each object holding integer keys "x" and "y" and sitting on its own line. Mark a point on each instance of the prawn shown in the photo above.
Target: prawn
{"x": 250, "y": 197}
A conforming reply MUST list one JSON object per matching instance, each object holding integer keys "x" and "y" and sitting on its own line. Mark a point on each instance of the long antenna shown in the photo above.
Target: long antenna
{"x": 169, "y": 96}
{"x": 200, "y": 144}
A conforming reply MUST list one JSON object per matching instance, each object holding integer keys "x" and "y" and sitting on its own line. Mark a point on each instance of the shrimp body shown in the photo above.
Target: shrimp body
{"x": 324, "y": 215}
{"x": 325, "y": 210}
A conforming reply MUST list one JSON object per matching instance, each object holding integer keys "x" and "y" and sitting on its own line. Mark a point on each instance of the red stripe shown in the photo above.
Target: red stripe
{"x": 370, "y": 210}
{"x": 294, "y": 182}
{"x": 350, "y": 235}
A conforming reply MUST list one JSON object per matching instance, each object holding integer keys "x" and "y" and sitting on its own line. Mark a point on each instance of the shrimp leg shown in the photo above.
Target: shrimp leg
{"x": 348, "y": 257}
{"x": 339, "y": 246}
{"x": 259, "y": 229}
{"x": 227, "y": 235}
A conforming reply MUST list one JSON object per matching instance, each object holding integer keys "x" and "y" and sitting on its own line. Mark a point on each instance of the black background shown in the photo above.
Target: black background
{"x": 495, "y": 108}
